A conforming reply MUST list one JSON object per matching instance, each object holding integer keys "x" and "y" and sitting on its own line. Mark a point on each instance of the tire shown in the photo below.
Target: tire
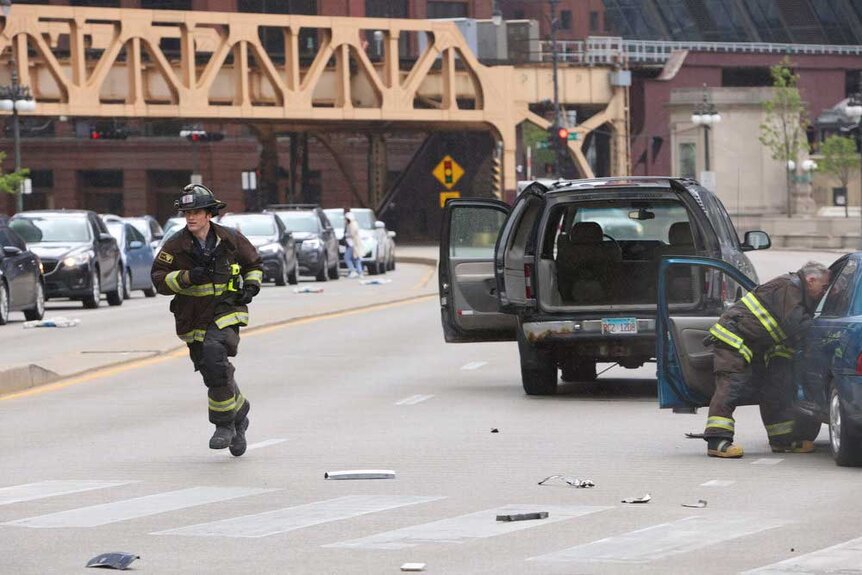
{"x": 281, "y": 278}
{"x": 323, "y": 274}
{"x": 333, "y": 271}
{"x": 538, "y": 368}
{"x": 93, "y": 300}
{"x": 38, "y": 310}
{"x": 150, "y": 292}
{"x": 381, "y": 268}
{"x": 580, "y": 370}
{"x": 392, "y": 263}
{"x": 4, "y": 303}
{"x": 293, "y": 277}
{"x": 846, "y": 445}
{"x": 115, "y": 297}
{"x": 127, "y": 285}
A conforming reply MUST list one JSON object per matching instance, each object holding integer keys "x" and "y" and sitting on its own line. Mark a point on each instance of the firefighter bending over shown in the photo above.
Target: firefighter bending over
{"x": 753, "y": 351}
{"x": 213, "y": 272}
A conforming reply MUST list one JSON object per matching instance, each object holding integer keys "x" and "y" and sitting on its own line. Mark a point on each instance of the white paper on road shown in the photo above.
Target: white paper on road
{"x": 292, "y": 518}
{"x": 96, "y": 515}
{"x": 479, "y": 525}
{"x": 474, "y": 365}
{"x": 43, "y": 489}
{"x": 265, "y": 443}
{"x": 718, "y": 483}
{"x": 414, "y": 399}
{"x": 845, "y": 558}
{"x": 663, "y": 540}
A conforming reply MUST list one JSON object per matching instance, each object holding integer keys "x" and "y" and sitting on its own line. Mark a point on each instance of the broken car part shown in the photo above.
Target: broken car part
{"x": 523, "y": 516}
{"x": 360, "y": 474}
{"x": 116, "y": 560}
{"x": 579, "y": 483}
{"x": 644, "y": 499}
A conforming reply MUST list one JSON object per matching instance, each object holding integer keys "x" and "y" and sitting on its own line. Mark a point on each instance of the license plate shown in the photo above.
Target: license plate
{"x": 619, "y": 325}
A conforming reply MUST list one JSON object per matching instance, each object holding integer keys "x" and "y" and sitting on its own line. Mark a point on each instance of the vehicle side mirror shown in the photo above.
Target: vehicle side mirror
{"x": 379, "y": 225}
{"x": 11, "y": 251}
{"x": 287, "y": 236}
{"x": 391, "y": 234}
{"x": 136, "y": 244}
{"x": 103, "y": 237}
{"x": 756, "y": 240}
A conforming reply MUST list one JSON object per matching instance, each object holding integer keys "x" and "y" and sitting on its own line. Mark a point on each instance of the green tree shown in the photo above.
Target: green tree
{"x": 11, "y": 182}
{"x": 839, "y": 158}
{"x": 783, "y": 130}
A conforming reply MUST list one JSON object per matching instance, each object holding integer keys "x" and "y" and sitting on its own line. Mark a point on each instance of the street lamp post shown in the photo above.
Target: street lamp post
{"x": 559, "y": 149}
{"x": 706, "y": 115}
{"x": 854, "y": 112}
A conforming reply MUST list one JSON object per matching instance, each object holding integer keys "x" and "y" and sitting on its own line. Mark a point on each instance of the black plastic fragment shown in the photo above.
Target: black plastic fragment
{"x": 115, "y": 560}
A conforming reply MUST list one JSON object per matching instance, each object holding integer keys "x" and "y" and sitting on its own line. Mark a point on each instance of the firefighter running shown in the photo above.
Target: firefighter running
{"x": 213, "y": 272}
{"x": 753, "y": 351}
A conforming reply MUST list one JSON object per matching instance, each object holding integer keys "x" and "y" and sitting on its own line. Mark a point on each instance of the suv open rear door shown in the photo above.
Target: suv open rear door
{"x": 468, "y": 289}
{"x": 684, "y": 362}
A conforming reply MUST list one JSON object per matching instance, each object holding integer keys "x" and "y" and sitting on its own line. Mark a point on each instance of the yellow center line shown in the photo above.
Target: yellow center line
{"x": 424, "y": 281}
{"x": 183, "y": 351}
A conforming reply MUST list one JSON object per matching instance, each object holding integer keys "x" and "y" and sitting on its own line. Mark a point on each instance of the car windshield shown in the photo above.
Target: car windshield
{"x": 364, "y": 219}
{"x": 116, "y": 230}
{"x": 174, "y": 224}
{"x": 336, "y": 217}
{"x": 141, "y": 225}
{"x": 250, "y": 225}
{"x": 299, "y": 222}
{"x": 634, "y": 222}
{"x": 37, "y": 229}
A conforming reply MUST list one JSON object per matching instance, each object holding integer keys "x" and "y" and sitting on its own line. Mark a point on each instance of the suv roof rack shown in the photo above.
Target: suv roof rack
{"x": 292, "y": 206}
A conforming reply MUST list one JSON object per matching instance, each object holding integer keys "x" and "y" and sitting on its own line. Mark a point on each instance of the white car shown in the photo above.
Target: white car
{"x": 379, "y": 253}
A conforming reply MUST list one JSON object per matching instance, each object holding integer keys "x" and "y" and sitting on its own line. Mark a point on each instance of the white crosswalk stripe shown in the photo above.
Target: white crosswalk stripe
{"x": 474, "y": 365}
{"x": 718, "y": 483}
{"x": 660, "y": 541}
{"x": 845, "y": 558}
{"x": 298, "y": 517}
{"x": 265, "y": 443}
{"x": 103, "y": 514}
{"x": 43, "y": 489}
{"x": 479, "y": 525}
{"x": 414, "y": 399}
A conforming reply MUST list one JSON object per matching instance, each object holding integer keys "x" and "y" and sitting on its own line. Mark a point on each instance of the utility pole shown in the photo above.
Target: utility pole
{"x": 559, "y": 150}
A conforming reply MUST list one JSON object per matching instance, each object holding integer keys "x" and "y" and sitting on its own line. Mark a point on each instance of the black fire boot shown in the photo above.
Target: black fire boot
{"x": 223, "y": 436}
{"x": 238, "y": 445}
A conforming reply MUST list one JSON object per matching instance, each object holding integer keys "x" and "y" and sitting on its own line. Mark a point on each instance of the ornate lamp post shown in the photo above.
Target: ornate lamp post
{"x": 705, "y": 114}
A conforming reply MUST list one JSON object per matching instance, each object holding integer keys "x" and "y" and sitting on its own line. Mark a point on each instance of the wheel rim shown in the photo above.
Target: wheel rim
{"x": 97, "y": 292}
{"x": 835, "y": 423}
{"x": 121, "y": 287}
{"x": 4, "y": 303}
{"x": 40, "y": 299}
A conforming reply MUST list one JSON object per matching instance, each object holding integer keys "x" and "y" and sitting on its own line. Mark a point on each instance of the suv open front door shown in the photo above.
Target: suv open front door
{"x": 468, "y": 289}
{"x": 684, "y": 362}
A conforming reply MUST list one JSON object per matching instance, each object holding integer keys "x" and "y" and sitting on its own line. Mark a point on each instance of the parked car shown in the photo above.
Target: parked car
{"x": 149, "y": 227}
{"x": 317, "y": 246}
{"x": 172, "y": 226}
{"x": 81, "y": 260}
{"x": 22, "y": 287}
{"x": 136, "y": 255}
{"x": 827, "y": 366}
{"x": 544, "y": 273}
{"x": 379, "y": 244}
{"x": 274, "y": 243}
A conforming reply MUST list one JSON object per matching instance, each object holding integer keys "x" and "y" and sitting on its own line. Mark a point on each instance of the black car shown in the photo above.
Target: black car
{"x": 81, "y": 260}
{"x": 21, "y": 282}
{"x": 274, "y": 244}
{"x": 315, "y": 239}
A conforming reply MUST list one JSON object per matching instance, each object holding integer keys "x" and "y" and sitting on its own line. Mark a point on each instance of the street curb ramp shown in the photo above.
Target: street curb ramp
{"x": 25, "y": 377}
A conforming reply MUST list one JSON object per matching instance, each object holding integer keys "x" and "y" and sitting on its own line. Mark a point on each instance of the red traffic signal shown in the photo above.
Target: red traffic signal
{"x": 112, "y": 134}
{"x": 563, "y": 134}
{"x": 196, "y": 136}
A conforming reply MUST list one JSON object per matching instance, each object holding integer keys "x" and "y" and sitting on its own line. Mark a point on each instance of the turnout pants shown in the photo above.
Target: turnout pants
{"x": 210, "y": 357}
{"x": 769, "y": 382}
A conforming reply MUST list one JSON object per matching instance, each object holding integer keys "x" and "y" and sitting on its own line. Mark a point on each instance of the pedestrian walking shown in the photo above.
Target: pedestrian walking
{"x": 355, "y": 249}
{"x": 213, "y": 272}
{"x": 753, "y": 346}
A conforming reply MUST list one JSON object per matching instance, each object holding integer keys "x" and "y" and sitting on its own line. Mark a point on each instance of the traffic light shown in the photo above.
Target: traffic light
{"x": 562, "y": 136}
{"x": 110, "y": 134}
{"x": 196, "y": 136}
{"x": 448, "y": 176}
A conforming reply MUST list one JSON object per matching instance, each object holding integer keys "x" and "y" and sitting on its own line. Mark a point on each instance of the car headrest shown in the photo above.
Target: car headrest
{"x": 680, "y": 234}
{"x": 586, "y": 233}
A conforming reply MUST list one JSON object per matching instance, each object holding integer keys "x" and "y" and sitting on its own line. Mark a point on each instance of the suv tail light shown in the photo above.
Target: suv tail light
{"x": 528, "y": 280}
{"x": 724, "y": 288}
{"x": 859, "y": 364}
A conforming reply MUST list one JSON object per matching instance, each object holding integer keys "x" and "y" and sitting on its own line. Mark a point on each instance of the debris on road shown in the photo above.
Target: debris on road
{"x": 308, "y": 290}
{"x": 523, "y": 516}
{"x": 644, "y": 499}
{"x": 413, "y": 567}
{"x": 360, "y": 474}
{"x": 375, "y": 282}
{"x": 116, "y": 560}
{"x": 56, "y": 322}
{"x": 495, "y": 430}
{"x": 701, "y": 503}
{"x": 579, "y": 483}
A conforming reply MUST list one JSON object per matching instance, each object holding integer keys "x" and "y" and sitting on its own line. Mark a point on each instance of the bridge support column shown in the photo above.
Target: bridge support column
{"x": 620, "y": 144}
{"x": 377, "y": 168}
{"x": 506, "y": 139}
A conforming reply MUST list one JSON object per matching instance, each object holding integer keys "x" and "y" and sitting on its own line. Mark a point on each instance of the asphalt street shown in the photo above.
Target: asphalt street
{"x": 118, "y": 461}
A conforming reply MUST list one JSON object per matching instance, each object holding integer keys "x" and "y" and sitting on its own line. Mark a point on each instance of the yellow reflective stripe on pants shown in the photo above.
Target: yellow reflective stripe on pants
{"x": 724, "y": 335}
{"x": 222, "y": 406}
{"x": 254, "y": 276}
{"x": 765, "y": 318}
{"x": 240, "y": 401}
{"x": 194, "y": 335}
{"x": 782, "y": 428}
{"x": 234, "y": 318}
{"x": 720, "y": 422}
{"x": 779, "y": 351}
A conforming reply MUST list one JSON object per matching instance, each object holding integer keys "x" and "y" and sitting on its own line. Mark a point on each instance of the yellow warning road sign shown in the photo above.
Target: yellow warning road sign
{"x": 448, "y": 196}
{"x": 448, "y": 172}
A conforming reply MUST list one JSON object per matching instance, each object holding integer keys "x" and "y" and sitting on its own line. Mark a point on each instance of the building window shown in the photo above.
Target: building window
{"x": 386, "y": 9}
{"x": 447, "y": 10}
{"x": 96, "y": 3}
{"x": 278, "y": 6}
{"x": 102, "y": 178}
{"x": 748, "y": 77}
{"x": 519, "y": 15}
{"x": 687, "y": 160}
{"x": 594, "y": 21}
{"x": 166, "y": 4}
{"x": 566, "y": 20}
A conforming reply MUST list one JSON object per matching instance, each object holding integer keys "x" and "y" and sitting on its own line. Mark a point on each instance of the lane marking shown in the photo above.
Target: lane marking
{"x": 413, "y": 399}
{"x": 474, "y": 365}
{"x": 479, "y": 525}
{"x": 43, "y": 489}
{"x": 424, "y": 281}
{"x": 265, "y": 443}
{"x": 96, "y": 515}
{"x": 298, "y": 517}
{"x": 718, "y": 483}
{"x": 770, "y": 461}
{"x": 842, "y": 558}
{"x": 663, "y": 540}
{"x": 183, "y": 351}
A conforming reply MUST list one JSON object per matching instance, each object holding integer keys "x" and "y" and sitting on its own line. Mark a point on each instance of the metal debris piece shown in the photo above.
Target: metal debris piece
{"x": 413, "y": 567}
{"x": 495, "y": 430}
{"x": 644, "y": 499}
{"x": 360, "y": 474}
{"x": 695, "y": 436}
{"x": 579, "y": 483}
{"x": 701, "y": 503}
{"x": 523, "y": 516}
{"x": 56, "y": 322}
{"x": 116, "y": 560}
{"x": 308, "y": 290}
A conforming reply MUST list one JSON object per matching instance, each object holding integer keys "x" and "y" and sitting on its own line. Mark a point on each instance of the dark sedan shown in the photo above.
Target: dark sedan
{"x": 274, "y": 244}
{"x": 81, "y": 260}
{"x": 315, "y": 239}
{"x": 21, "y": 282}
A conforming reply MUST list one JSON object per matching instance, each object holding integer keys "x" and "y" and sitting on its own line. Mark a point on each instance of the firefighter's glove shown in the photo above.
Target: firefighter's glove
{"x": 200, "y": 275}
{"x": 247, "y": 294}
